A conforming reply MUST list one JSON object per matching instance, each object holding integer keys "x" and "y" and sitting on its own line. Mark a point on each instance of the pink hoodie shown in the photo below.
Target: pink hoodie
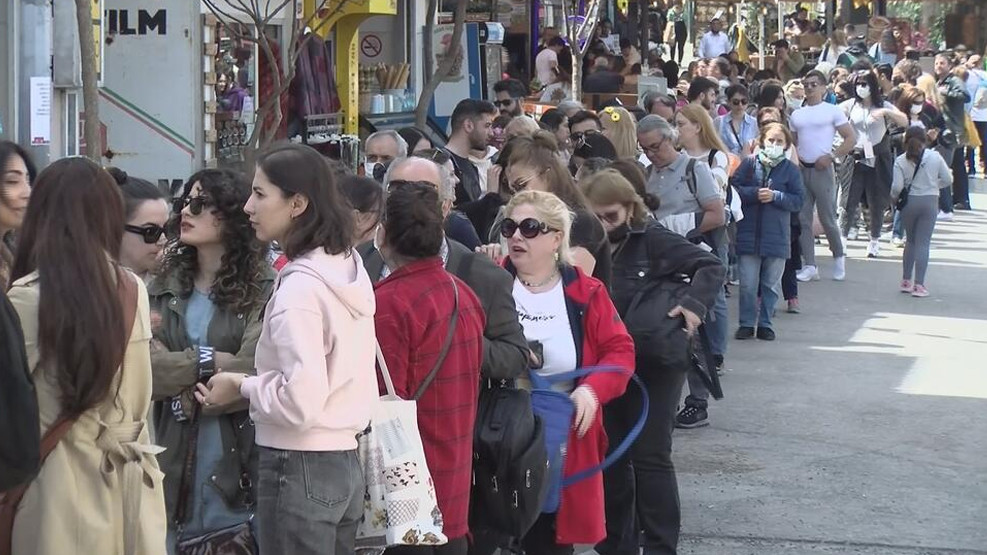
{"x": 316, "y": 382}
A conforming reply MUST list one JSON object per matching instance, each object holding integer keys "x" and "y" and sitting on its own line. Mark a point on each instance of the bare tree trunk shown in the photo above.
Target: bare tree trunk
{"x": 90, "y": 81}
{"x": 428, "y": 61}
{"x": 444, "y": 68}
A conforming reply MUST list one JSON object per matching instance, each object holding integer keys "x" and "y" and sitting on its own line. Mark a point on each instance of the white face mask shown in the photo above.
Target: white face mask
{"x": 775, "y": 152}
{"x": 368, "y": 168}
{"x": 863, "y": 92}
{"x": 916, "y": 109}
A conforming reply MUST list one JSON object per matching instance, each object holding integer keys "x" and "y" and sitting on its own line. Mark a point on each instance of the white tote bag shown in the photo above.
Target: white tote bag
{"x": 399, "y": 504}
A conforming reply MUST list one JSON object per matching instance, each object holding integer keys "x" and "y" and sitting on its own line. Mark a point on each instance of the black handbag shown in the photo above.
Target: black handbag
{"x": 510, "y": 462}
{"x": 903, "y": 195}
{"x": 659, "y": 340}
{"x": 233, "y": 540}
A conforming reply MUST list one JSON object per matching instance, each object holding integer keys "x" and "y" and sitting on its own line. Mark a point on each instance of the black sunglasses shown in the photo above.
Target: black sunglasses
{"x": 503, "y": 103}
{"x": 151, "y": 232}
{"x": 195, "y": 204}
{"x": 530, "y": 228}
{"x": 579, "y": 137}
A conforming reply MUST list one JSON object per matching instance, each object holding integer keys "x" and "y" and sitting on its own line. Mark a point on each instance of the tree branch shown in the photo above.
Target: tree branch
{"x": 428, "y": 65}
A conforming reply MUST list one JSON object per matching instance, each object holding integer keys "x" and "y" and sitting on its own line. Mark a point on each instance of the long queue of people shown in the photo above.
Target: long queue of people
{"x": 211, "y": 382}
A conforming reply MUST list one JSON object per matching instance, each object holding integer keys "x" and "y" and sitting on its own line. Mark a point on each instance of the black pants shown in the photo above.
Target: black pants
{"x": 681, "y": 37}
{"x": 961, "y": 181}
{"x": 789, "y": 283}
{"x": 875, "y": 185}
{"x": 540, "y": 540}
{"x": 641, "y": 490}
{"x": 456, "y": 546}
{"x": 982, "y": 133}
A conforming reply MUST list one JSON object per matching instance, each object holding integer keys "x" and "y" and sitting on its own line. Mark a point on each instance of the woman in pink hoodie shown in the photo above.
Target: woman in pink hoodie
{"x": 316, "y": 383}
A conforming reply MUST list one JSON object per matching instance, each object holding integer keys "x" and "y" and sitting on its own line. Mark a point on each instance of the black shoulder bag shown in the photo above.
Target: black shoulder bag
{"x": 903, "y": 195}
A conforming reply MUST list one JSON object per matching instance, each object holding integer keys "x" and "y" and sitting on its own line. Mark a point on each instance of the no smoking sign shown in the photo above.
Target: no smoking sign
{"x": 371, "y": 46}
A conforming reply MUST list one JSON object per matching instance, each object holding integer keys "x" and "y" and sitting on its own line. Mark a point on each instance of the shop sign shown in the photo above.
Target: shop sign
{"x": 120, "y": 22}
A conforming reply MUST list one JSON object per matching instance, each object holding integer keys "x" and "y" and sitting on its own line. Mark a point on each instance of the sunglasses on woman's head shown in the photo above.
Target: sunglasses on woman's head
{"x": 530, "y": 228}
{"x": 151, "y": 233}
{"x": 195, "y": 204}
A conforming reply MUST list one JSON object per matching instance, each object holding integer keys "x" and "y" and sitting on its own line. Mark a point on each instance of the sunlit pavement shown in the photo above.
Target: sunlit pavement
{"x": 863, "y": 428}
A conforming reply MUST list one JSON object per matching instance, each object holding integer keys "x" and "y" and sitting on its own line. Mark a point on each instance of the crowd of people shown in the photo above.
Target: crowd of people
{"x": 216, "y": 374}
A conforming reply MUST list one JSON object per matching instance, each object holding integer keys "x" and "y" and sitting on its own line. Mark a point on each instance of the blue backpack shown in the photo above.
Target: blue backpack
{"x": 556, "y": 410}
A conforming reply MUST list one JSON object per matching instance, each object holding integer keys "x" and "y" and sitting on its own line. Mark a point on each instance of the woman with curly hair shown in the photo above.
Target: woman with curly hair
{"x": 206, "y": 314}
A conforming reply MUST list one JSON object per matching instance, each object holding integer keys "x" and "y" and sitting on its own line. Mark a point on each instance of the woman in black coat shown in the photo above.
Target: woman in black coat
{"x": 644, "y": 252}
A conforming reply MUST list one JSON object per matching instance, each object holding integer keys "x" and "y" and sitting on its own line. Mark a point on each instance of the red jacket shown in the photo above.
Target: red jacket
{"x": 413, "y": 308}
{"x": 601, "y": 340}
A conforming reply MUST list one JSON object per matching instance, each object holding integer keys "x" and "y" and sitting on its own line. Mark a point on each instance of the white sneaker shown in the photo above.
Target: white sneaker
{"x": 898, "y": 242}
{"x": 807, "y": 273}
{"x": 945, "y": 216}
{"x": 873, "y": 248}
{"x": 852, "y": 234}
{"x": 839, "y": 268}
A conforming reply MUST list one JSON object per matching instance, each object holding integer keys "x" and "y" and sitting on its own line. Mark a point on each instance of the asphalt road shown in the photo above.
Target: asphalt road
{"x": 863, "y": 428}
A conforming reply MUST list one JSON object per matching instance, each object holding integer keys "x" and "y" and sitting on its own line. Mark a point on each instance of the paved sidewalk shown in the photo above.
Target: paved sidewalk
{"x": 863, "y": 428}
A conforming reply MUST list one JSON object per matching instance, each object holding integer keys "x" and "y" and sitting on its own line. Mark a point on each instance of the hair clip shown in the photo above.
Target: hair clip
{"x": 614, "y": 114}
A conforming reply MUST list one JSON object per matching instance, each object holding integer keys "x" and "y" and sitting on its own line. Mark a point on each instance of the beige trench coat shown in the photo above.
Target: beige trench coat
{"x": 99, "y": 491}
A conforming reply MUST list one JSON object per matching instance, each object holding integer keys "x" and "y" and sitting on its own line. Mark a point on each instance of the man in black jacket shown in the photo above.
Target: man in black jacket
{"x": 505, "y": 351}
{"x": 955, "y": 96}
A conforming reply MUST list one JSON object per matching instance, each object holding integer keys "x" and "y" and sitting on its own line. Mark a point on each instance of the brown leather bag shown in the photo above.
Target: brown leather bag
{"x": 8, "y": 505}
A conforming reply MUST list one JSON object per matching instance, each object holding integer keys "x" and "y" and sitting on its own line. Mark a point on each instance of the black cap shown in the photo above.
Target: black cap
{"x": 781, "y": 44}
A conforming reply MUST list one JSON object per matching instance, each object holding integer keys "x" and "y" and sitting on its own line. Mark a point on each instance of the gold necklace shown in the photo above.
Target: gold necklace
{"x": 530, "y": 285}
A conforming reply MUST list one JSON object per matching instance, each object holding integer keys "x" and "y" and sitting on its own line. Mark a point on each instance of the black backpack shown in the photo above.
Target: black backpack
{"x": 20, "y": 450}
{"x": 510, "y": 462}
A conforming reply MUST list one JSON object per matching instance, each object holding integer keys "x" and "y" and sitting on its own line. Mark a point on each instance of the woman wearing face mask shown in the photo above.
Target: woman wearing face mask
{"x": 558, "y": 303}
{"x": 15, "y": 190}
{"x": 208, "y": 299}
{"x": 922, "y": 172}
{"x": 912, "y": 101}
{"x": 645, "y": 252}
{"x": 770, "y": 187}
{"x": 146, "y": 213}
{"x": 870, "y": 116}
{"x": 366, "y": 197}
{"x": 315, "y": 387}
{"x": 794, "y": 95}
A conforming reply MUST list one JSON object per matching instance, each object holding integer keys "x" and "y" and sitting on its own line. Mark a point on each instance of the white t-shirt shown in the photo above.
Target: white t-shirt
{"x": 816, "y": 129}
{"x": 544, "y": 318}
{"x": 544, "y": 62}
{"x": 720, "y": 168}
{"x": 712, "y": 45}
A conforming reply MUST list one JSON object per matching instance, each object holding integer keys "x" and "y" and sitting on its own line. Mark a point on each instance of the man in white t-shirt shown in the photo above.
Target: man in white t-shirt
{"x": 547, "y": 61}
{"x": 814, "y": 127}
{"x": 715, "y": 42}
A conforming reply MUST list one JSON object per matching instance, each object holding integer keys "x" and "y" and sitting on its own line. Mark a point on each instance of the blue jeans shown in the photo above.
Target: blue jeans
{"x": 308, "y": 502}
{"x": 755, "y": 270}
{"x": 897, "y": 228}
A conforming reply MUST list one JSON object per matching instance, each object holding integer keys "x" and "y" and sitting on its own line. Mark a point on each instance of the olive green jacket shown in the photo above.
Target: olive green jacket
{"x": 175, "y": 371}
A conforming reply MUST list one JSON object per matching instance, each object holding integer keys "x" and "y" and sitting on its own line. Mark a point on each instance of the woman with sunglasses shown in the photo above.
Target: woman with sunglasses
{"x": 557, "y": 303}
{"x": 738, "y": 129}
{"x": 644, "y": 253}
{"x": 871, "y": 117}
{"x": 315, "y": 386}
{"x": 535, "y": 165}
{"x": 146, "y": 213}
{"x": 207, "y": 301}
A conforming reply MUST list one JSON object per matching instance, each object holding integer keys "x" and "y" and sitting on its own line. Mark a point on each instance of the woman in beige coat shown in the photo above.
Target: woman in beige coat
{"x": 99, "y": 491}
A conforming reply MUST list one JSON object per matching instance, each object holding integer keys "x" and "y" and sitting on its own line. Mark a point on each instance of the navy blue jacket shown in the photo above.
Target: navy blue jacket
{"x": 766, "y": 227}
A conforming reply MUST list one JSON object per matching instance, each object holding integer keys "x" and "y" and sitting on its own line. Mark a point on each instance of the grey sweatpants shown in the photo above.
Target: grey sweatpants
{"x": 919, "y": 218}
{"x": 820, "y": 192}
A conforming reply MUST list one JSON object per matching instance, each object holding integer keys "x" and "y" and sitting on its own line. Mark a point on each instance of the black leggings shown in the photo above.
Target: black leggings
{"x": 540, "y": 539}
{"x": 681, "y": 37}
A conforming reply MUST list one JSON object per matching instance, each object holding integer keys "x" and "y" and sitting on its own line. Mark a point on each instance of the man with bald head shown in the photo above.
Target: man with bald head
{"x": 505, "y": 351}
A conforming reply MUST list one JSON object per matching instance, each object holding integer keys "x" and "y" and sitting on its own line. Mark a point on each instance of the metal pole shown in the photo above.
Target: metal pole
{"x": 781, "y": 21}
{"x": 760, "y": 46}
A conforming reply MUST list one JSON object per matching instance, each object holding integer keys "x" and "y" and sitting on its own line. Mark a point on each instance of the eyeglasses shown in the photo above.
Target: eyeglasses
{"x": 194, "y": 204}
{"x": 739, "y": 102}
{"x": 521, "y": 183}
{"x": 530, "y": 228}
{"x": 653, "y": 148}
{"x": 612, "y": 217}
{"x": 401, "y": 183}
{"x": 151, "y": 233}
{"x": 503, "y": 103}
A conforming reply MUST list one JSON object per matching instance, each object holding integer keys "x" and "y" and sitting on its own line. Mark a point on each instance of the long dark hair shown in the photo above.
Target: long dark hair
{"x": 238, "y": 284}
{"x": 326, "y": 222}
{"x": 868, "y": 78}
{"x": 73, "y": 226}
{"x": 7, "y": 151}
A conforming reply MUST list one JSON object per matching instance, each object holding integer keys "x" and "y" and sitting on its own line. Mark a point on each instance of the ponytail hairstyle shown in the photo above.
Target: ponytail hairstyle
{"x": 71, "y": 234}
{"x": 541, "y": 152}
